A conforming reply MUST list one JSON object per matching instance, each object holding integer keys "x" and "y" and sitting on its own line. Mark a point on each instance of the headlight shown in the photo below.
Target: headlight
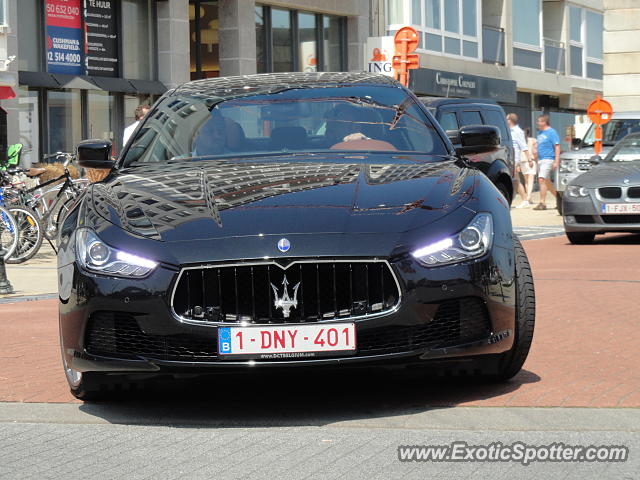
{"x": 577, "y": 191}
{"x": 96, "y": 256}
{"x": 472, "y": 242}
{"x": 567, "y": 166}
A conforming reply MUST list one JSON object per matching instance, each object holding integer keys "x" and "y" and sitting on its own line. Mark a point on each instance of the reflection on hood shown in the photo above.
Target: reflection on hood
{"x": 153, "y": 201}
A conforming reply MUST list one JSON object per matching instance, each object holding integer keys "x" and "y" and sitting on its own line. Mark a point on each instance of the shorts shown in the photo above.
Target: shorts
{"x": 526, "y": 169}
{"x": 544, "y": 168}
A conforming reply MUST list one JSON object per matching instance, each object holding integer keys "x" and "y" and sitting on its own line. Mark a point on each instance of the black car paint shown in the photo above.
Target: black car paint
{"x": 355, "y": 219}
{"x": 497, "y": 164}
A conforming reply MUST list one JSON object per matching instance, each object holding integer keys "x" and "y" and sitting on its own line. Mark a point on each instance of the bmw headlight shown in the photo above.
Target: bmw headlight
{"x": 473, "y": 241}
{"x": 577, "y": 191}
{"x": 96, "y": 256}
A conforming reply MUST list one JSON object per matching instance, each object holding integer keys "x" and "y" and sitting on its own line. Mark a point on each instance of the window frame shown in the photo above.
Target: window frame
{"x": 531, "y": 48}
{"x": 441, "y": 32}
{"x": 583, "y": 43}
{"x": 267, "y": 38}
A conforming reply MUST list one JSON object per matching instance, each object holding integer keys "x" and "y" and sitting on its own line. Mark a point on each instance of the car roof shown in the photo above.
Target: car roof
{"x": 266, "y": 82}
{"x": 437, "y": 102}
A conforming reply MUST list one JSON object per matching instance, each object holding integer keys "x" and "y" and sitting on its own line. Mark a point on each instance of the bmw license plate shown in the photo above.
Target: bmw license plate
{"x": 621, "y": 208}
{"x": 286, "y": 342}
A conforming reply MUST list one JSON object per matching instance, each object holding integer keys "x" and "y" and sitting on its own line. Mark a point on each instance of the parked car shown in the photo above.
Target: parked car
{"x": 455, "y": 113}
{"x": 290, "y": 220}
{"x": 607, "y": 197}
{"x": 576, "y": 161}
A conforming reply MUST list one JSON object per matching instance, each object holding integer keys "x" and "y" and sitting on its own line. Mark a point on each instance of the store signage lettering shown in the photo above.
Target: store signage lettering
{"x": 64, "y": 37}
{"x": 82, "y": 37}
{"x": 101, "y": 38}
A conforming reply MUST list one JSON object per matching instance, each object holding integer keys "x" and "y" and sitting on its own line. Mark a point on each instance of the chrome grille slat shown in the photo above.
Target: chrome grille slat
{"x": 338, "y": 290}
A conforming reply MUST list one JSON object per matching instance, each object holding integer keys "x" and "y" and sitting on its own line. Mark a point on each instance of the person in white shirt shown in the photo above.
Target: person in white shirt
{"x": 523, "y": 160}
{"x": 141, "y": 111}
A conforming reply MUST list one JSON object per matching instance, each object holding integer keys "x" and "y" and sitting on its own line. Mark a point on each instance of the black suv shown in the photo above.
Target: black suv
{"x": 455, "y": 113}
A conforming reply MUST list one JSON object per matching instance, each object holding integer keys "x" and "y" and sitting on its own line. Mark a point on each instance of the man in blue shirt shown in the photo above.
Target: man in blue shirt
{"x": 548, "y": 159}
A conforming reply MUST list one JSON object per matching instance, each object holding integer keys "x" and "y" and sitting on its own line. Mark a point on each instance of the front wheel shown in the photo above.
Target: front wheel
{"x": 580, "y": 238}
{"x": 510, "y": 363}
{"x": 9, "y": 233}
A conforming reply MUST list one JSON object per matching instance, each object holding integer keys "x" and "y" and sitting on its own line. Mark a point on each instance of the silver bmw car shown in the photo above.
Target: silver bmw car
{"x": 606, "y": 198}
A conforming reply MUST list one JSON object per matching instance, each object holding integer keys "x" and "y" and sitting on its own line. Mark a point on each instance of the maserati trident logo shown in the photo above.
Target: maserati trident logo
{"x": 285, "y": 302}
{"x": 284, "y": 245}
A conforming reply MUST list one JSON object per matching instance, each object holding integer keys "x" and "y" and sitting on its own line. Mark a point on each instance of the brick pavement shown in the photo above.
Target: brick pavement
{"x": 584, "y": 352}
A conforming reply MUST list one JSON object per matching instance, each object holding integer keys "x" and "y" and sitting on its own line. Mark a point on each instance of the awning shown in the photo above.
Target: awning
{"x": 114, "y": 84}
{"x": 7, "y": 93}
{"x": 86, "y": 82}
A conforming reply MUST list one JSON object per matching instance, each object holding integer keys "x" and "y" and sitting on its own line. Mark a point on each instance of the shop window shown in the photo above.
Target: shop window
{"x": 101, "y": 114}
{"x": 138, "y": 39}
{"x": 287, "y": 40}
{"x": 307, "y": 49}
{"x": 64, "y": 120}
{"x": 29, "y": 124}
{"x": 282, "y": 33}
{"x": 204, "y": 39}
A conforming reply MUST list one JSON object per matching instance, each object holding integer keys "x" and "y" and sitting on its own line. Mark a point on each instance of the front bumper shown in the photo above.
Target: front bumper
{"x": 586, "y": 214}
{"x": 397, "y": 338}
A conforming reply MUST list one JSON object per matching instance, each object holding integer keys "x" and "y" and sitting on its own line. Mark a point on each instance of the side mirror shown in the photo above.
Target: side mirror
{"x": 478, "y": 139}
{"x": 95, "y": 154}
{"x": 595, "y": 160}
{"x": 576, "y": 143}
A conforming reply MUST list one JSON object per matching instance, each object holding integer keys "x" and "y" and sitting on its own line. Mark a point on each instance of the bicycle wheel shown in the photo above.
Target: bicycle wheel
{"x": 56, "y": 215}
{"x": 8, "y": 232}
{"x": 31, "y": 234}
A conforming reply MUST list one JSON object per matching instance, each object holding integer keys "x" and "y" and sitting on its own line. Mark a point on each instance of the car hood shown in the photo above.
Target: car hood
{"x": 197, "y": 200}
{"x": 584, "y": 153}
{"x": 610, "y": 173}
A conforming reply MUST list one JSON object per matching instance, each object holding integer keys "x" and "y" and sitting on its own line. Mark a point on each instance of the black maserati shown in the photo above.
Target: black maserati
{"x": 318, "y": 220}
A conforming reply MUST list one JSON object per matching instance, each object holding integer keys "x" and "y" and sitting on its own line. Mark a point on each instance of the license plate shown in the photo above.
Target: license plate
{"x": 286, "y": 342}
{"x": 621, "y": 208}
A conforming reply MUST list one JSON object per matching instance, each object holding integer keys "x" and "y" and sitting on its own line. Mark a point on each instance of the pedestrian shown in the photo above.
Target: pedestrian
{"x": 523, "y": 160}
{"x": 140, "y": 112}
{"x": 531, "y": 168}
{"x": 548, "y": 159}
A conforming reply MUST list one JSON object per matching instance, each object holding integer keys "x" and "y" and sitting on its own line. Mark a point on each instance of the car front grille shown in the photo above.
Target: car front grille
{"x": 621, "y": 219}
{"x": 633, "y": 192}
{"x": 308, "y": 291}
{"x": 118, "y": 335}
{"x": 610, "y": 192}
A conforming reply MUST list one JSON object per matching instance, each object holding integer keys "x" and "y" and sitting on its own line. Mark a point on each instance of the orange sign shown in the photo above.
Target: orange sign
{"x": 600, "y": 112}
{"x": 406, "y": 41}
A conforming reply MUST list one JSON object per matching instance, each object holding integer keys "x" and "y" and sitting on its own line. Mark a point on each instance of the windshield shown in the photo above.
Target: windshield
{"x": 300, "y": 120}
{"x": 628, "y": 150}
{"x": 613, "y": 132}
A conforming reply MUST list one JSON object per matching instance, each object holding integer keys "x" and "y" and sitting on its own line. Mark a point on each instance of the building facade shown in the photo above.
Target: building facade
{"x": 622, "y": 54}
{"x": 80, "y": 67}
{"x": 530, "y": 55}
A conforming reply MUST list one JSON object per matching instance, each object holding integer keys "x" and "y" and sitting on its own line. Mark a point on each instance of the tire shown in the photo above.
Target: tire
{"x": 580, "y": 238}
{"x": 54, "y": 219}
{"x": 31, "y": 234}
{"x": 504, "y": 191}
{"x": 559, "y": 202}
{"x": 510, "y": 363}
{"x": 9, "y": 232}
{"x": 91, "y": 387}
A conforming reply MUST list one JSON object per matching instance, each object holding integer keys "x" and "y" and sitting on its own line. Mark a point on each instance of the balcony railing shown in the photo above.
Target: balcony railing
{"x": 492, "y": 45}
{"x": 554, "y": 56}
